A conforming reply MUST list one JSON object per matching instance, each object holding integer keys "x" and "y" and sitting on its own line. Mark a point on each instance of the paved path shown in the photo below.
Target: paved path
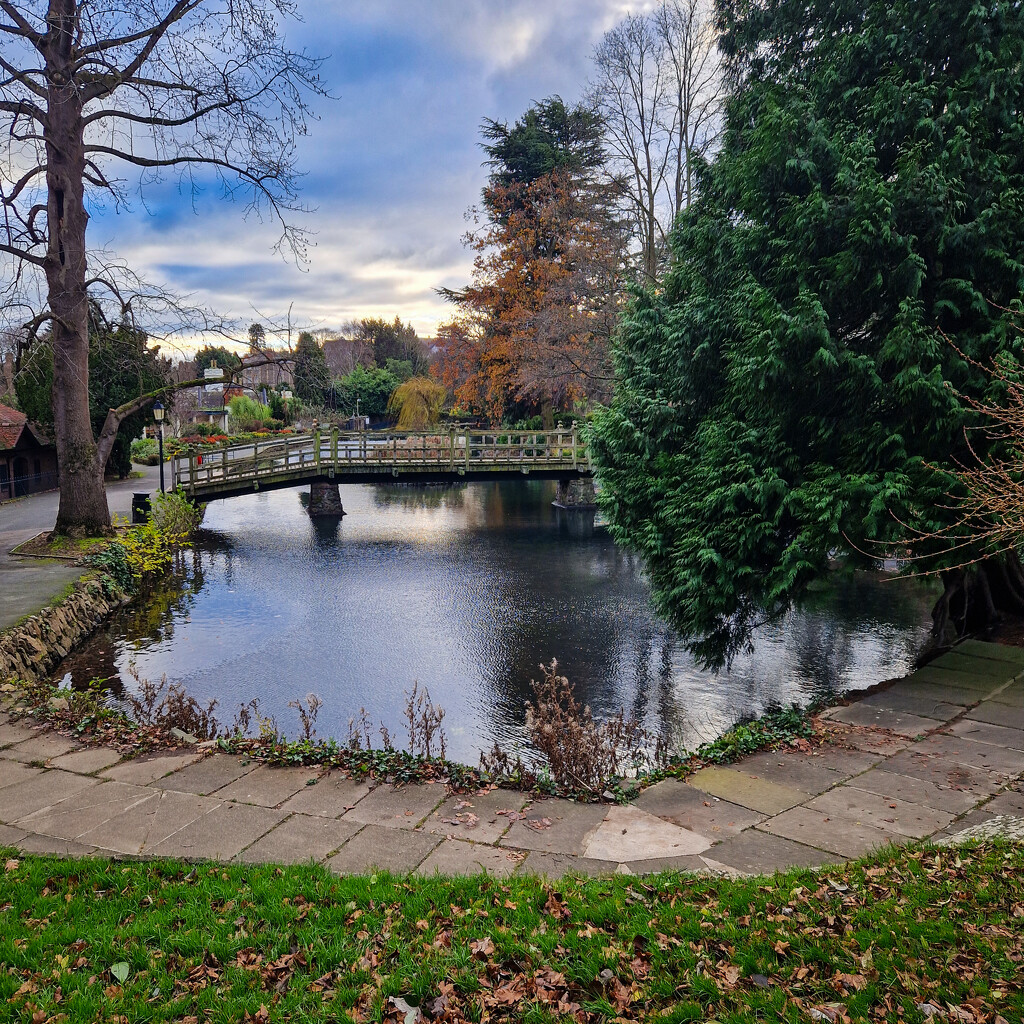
{"x": 950, "y": 758}
{"x": 27, "y": 584}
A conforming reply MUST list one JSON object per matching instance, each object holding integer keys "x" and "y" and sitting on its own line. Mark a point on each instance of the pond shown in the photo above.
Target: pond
{"x": 465, "y": 590}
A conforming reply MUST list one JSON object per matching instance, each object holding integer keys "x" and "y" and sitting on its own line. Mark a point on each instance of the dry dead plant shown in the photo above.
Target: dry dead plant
{"x": 423, "y": 721}
{"x": 170, "y": 706}
{"x": 581, "y": 753}
{"x": 308, "y": 709}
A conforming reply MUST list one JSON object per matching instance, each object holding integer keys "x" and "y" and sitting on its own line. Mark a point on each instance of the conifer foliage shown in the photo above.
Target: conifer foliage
{"x": 788, "y": 394}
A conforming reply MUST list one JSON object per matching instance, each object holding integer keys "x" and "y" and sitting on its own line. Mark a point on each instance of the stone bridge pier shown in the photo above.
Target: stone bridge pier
{"x": 325, "y": 499}
{"x": 576, "y": 494}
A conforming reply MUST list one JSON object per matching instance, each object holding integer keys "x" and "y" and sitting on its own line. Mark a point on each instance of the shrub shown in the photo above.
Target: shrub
{"x": 116, "y": 575}
{"x": 169, "y": 706}
{"x": 145, "y": 452}
{"x": 583, "y": 755}
{"x": 417, "y": 403}
{"x": 247, "y": 414}
{"x": 175, "y": 517}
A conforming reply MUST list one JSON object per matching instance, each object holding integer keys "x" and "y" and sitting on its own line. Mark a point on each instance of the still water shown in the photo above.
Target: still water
{"x": 465, "y": 590}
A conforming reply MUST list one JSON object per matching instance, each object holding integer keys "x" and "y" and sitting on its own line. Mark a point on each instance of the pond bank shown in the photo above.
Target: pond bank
{"x": 933, "y": 755}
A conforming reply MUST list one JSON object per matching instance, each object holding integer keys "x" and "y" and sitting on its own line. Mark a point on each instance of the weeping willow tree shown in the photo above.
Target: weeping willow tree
{"x": 417, "y": 403}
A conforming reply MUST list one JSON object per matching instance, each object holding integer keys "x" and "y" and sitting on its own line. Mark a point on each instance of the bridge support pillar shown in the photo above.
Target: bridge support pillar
{"x": 325, "y": 499}
{"x": 576, "y": 494}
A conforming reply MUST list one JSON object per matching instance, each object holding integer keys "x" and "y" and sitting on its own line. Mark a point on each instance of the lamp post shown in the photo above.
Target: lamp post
{"x": 158, "y": 415}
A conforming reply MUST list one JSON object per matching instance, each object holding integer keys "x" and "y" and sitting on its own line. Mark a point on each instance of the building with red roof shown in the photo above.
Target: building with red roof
{"x": 28, "y": 458}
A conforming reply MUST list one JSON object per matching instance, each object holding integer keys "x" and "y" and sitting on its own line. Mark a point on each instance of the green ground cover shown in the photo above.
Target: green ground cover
{"x": 907, "y": 936}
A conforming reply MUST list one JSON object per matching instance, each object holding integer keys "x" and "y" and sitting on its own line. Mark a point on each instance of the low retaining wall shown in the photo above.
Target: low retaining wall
{"x": 34, "y": 648}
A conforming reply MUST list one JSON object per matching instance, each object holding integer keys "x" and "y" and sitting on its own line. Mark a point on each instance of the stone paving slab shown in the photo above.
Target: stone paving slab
{"x": 331, "y": 797}
{"x": 942, "y": 693}
{"x": 994, "y": 652}
{"x": 9, "y": 835}
{"x": 220, "y": 834}
{"x": 49, "y": 846}
{"x": 299, "y": 839}
{"x": 379, "y": 846}
{"x": 984, "y": 732}
{"x": 86, "y": 810}
{"x": 846, "y": 760}
{"x": 965, "y": 682}
{"x": 142, "y": 771}
{"x": 899, "y": 722}
{"x": 268, "y": 787}
{"x": 740, "y": 787}
{"x": 700, "y": 812}
{"x": 141, "y": 828}
{"x": 930, "y": 793}
{"x": 15, "y": 732}
{"x": 958, "y": 661}
{"x": 997, "y": 714}
{"x": 629, "y": 833}
{"x": 932, "y": 766}
{"x": 921, "y": 705}
{"x": 890, "y": 814}
{"x": 13, "y": 772}
{"x": 757, "y": 852}
{"x": 558, "y": 865}
{"x": 1013, "y": 695}
{"x": 656, "y": 865}
{"x": 455, "y": 817}
{"x": 1004, "y": 826}
{"x": 976, "y": 755}
{"x": 87, "y": 761}
{"x": 40, "y": 747}
{"x": 842, "y": 836}
{"x": 207, "y": 776}
{"x": 1008, "y": 802}
{"x": 458, "y": 857}
{"x": 795, "y": 770}
{"x": 401, "y": 807}
{"x": 569, "y": 828}
{"x": 876, "y": 742}
{"x": 40, "y": 791}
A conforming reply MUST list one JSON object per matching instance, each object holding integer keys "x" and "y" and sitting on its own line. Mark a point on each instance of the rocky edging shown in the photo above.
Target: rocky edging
{"x": 32, "y": 649}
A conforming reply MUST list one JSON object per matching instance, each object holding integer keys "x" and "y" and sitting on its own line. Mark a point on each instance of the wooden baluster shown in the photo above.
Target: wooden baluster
{"x": 574, "y": 446}
{"x": 334, "y": 446}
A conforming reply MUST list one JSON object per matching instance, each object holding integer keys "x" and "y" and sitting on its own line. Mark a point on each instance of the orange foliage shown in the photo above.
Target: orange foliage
{"x": 535, "y": 323}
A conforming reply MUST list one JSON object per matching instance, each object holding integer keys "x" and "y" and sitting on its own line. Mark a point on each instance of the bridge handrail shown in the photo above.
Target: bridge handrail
{"x": 455, "y": 450}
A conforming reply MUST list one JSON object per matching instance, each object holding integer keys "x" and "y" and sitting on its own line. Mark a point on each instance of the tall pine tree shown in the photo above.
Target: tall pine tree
{"x": 787, "y": 395}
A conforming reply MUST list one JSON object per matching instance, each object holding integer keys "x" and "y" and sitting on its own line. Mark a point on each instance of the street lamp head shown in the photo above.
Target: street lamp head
{"x": 158, "y": 412}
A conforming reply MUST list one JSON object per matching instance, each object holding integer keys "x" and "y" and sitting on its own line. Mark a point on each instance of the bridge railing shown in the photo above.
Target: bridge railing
{"x": 334, "y": 452}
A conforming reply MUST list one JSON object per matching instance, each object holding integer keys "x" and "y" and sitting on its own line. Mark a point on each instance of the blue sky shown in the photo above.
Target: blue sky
{"x": 391, "y": 166}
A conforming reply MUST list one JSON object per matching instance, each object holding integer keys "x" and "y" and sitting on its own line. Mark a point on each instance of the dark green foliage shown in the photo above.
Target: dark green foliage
{"x": 780, "y": 396}
{"x": 115, "y": 574}
{"x": 122, "y": 366}
{"x": 372, "y": 388}
{"x": 394, "y": 343}
{"x": 549, "y": 137}
{"x": 312, "y": 377}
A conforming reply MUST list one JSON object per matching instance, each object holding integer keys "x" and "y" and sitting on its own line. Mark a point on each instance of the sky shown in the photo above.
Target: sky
{"x": 391, "y": 165}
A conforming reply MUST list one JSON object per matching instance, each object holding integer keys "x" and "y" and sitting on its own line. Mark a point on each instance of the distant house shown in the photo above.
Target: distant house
{"x": 270, "y": 369}
{"x": 28, "y": 459}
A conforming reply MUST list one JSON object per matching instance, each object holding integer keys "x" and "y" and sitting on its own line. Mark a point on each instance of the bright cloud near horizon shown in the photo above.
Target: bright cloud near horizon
{"x": 391, "y": 165}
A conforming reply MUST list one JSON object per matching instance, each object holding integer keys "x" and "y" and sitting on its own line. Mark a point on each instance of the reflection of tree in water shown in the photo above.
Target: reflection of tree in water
{"x": 419, "y": 496}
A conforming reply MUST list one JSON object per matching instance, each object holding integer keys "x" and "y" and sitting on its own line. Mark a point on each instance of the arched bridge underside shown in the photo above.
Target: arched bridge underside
{"x": 375, "y": 458}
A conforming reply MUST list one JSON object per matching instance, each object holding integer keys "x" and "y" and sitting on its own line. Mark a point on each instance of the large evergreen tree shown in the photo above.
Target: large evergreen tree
{"x": 788, "y": 395}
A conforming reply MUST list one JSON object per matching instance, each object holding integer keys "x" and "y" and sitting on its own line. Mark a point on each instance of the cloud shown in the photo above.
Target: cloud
{"x": 390, "y": 166}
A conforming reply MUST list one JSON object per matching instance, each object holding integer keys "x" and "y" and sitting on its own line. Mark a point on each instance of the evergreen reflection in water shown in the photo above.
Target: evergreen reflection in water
{"x": 466, "y": 590}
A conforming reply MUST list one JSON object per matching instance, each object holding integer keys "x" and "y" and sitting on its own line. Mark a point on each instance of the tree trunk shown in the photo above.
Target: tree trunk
{"x": 83, "y": 499}
{"x": 977, "y": 598}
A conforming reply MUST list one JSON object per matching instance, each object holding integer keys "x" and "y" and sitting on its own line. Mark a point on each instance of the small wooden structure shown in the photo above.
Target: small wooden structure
{"x": 372, "y": 457}
{"x": 28, "y": 459}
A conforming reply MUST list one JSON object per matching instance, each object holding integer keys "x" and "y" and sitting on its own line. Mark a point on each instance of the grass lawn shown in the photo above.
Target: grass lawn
{"x": 908, "y": 936}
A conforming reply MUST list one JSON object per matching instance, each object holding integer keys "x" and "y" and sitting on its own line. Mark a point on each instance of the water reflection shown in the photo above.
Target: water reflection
{"x": 466, "y": 590}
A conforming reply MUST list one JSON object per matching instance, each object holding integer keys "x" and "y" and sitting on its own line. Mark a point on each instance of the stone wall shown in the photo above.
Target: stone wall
{"x": 34, "y": 648}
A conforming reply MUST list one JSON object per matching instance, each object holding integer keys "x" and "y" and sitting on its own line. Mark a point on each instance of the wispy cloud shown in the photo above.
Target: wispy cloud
{"x": 391, "y": 165}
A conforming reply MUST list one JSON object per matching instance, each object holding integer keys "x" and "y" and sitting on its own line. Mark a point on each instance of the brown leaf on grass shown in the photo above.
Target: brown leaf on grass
{"x": 482, "y": 948}
{"x": 278, "y": 975}
{"x": 731, "y": 975}
{"x": 261, "y": 1016}
{"x": 12, "y": 865}
{"x": 555, "y": 907}
{"x": 619, "y": 994}
{"x": 850, "y": 981}
{"x": 248, "y": 959}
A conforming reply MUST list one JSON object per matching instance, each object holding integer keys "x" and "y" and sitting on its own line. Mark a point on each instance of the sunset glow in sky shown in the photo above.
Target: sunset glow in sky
{"x": 391, "y": 166}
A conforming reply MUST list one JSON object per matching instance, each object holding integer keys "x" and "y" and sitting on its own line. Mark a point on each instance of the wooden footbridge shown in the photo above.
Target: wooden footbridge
{"x": 375, "y": 457}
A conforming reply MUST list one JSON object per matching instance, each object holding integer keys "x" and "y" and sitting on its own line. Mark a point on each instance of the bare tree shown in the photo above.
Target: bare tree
{"x": 190, "y": 87}
{"x": 659, "y": 89}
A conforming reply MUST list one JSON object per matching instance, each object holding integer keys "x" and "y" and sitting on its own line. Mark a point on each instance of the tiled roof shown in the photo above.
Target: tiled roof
{"x": 12, "y": 423}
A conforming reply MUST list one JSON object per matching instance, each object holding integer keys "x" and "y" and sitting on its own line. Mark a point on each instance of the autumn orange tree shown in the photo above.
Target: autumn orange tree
{"x": 532, "y": 329}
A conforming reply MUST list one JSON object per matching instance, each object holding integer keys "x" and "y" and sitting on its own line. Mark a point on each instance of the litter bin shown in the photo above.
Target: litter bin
{"x": 140, "y": 506}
